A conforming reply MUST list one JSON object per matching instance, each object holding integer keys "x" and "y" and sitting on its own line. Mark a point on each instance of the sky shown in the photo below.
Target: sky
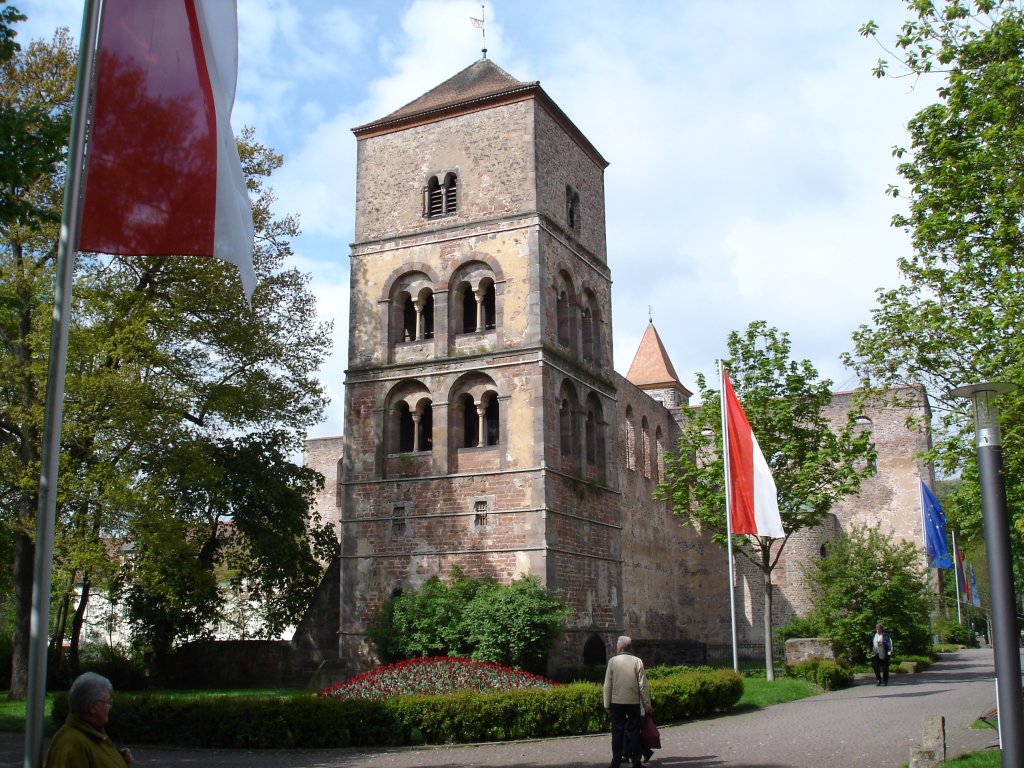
{"x": 750, "y": 147}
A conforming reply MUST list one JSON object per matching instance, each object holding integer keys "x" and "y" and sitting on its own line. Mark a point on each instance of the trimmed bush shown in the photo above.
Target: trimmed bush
{"x": 827, "y": 674}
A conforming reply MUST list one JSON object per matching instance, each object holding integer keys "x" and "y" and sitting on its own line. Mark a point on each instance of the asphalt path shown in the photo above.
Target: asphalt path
{"x": 864, "y": 725}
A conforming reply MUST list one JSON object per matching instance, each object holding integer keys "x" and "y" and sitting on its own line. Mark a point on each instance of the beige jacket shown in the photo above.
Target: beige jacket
{"x": 625, "y": 682}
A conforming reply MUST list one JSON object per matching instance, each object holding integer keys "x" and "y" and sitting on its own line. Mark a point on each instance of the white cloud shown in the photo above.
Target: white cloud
{"x": 749, "y": 146}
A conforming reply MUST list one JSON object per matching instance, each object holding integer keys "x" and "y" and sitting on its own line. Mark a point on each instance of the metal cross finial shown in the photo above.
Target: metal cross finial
{"x": 481, "y": 25}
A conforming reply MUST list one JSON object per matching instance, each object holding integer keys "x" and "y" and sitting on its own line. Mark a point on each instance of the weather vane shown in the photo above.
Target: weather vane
{"x": 481, "y": 25}
{"x": 650, "y": 313}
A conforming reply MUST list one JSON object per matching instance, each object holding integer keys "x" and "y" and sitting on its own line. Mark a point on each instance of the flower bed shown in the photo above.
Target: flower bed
{"x": 441, "y": 674}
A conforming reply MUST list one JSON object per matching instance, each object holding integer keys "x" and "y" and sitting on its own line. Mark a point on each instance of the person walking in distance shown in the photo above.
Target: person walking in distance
{"x": 625, "y": 690}
{"x": 881, "y": 650}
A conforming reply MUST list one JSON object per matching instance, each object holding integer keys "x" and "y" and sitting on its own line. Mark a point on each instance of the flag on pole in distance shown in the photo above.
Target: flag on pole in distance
{"x": 754, "y": 500}
{"x": 975, "y": 595}
{"x": 163, "y": 173}
{"x": 935, "y": 531}
{"x": 962, "y": 585}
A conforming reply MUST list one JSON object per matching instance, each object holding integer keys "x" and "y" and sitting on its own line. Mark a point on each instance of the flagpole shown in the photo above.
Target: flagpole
{"x": 728, "y": 517}
{"x": 54, "y": 413}
{"x": 956, "y": 575}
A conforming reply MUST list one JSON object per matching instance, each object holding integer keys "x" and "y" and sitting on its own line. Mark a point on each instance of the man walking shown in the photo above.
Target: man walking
{"x": 625, "y": 689}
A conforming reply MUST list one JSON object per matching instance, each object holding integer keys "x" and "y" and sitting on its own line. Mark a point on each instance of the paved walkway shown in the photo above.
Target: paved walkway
{"x": 860, "y": 726}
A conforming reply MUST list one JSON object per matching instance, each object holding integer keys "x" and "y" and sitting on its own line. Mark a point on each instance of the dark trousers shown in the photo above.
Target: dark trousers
{"x": 881, "y": 667}
{"x": 626, "y": 732}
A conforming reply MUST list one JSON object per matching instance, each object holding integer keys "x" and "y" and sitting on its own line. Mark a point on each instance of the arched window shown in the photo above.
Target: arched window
{"x": 440, "y": 197}
{"x": 569, "y": 423}
{"x": 412, "y": 308}
{"x": 630, "y": 446}
{"x": 565, "y": 427}
{"x": 470, "y": 422}
{"x": 474, "y": 416}
{"x": 595, "y": 435}
{"x": 591, "y": 437}
{"x": 572, "y": 208}
{"x": 590, "y": 329}
{"x": 473, "y": 304}
{"x": 451, "y": 182}
{"x": 645, "y": 435}
{"x": 491, "y": 431}
{"x": 425, "y": 426}
{"x": 659, "y": 456}
{"x": 468, "y": 309}
{"x": 588, "y": 339}
{"x": 488, "y": 306}
{"x": 415, "y": 427}
{"x": 406, "y": 428}
{"x": 564, "y": 337}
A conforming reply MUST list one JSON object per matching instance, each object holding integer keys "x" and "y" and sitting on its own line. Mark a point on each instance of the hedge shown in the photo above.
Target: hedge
{"x": 826, "y": 673}
{"x": 464, "y": 717}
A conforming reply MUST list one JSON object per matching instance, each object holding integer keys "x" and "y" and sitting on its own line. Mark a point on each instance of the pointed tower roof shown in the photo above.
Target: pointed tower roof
{"x": 652, "y": 368}
{"x": 481, "y": 85}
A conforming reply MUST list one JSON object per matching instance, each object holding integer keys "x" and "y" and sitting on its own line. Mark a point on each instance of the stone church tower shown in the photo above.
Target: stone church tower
{"x": 479, "y": 386}
{"x": 484, "y": 425}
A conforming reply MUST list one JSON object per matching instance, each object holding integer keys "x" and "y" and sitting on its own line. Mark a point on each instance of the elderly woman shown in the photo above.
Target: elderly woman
{"x": 81, "y": 742}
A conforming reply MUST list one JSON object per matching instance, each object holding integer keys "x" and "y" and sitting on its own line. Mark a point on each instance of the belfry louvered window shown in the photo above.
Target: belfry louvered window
{"x": 440, "y": 198}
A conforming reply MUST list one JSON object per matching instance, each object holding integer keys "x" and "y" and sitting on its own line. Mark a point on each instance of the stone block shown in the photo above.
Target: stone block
{"x": 802, "y": 648}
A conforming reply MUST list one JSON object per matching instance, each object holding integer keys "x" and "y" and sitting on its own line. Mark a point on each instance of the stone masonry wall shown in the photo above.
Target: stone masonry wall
{"x": 491, "y": 151}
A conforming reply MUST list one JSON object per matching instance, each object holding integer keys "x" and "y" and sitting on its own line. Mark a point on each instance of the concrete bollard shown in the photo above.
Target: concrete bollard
{"x": 932, "y": 751}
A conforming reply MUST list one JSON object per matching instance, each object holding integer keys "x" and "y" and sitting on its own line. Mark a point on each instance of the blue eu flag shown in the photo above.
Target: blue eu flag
{"x": 935, "y": 531}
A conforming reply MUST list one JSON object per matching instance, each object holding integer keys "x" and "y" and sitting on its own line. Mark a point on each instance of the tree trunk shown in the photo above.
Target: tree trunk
{"x": 76, "y": 627}
{"x": 24, "y": 563}
{"x": 769, "y": 660}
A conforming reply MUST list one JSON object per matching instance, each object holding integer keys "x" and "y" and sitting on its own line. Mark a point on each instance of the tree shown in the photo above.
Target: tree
{"x": 34, "y": 83}
{"x": 814, "y": 464}
{"x": 165, "y": 360}
{"x": 866, "y": 579}
{"x": 514, "y": 624}
{"x": 957, "y": 316}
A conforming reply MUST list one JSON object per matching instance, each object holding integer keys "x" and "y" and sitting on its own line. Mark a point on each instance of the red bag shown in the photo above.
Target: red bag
{"x": 649, "y": 735}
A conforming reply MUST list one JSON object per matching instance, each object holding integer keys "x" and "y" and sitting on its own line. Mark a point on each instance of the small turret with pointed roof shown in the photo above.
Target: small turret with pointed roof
{"x": 652, "y": 371}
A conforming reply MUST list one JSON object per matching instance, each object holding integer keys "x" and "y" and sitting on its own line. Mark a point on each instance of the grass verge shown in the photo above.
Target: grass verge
{"x": 991, "y": 758}
{"x": 759, "y": 693}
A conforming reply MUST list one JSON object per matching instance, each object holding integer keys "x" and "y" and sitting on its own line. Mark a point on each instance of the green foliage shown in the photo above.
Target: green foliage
{"x": 127, "y": 672}
{"x": 251, "y": 722}
{"x": 814, "y": 465}
{"x": 785, "y": 403}
{"x": 798, "y": 626}
{"x": 867, "y": 579}
{"x": 827, "y": 674}
{"x": 955, "y": 633}
{"x": 183, "y": 405}
{"x": 515, "y": 624}
{"x": 956, "y": 317}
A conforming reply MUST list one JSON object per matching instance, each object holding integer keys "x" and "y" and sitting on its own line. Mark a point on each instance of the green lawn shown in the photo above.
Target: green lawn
{"x": 990, "y": 758}
{"x": 12, "y": 714}
{"x": 759, "y": 693}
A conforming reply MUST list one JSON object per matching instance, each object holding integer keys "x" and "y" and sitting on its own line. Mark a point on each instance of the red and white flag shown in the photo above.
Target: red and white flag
{"x": 163, "y": 174}
{"x": 754, "y": 502}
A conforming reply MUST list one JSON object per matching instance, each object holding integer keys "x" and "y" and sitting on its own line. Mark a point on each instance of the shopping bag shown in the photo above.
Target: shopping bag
{"x": 649, "y": 735}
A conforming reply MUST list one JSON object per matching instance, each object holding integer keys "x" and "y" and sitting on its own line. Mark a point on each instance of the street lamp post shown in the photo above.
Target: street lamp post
{"x": 1005, "y": 633}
